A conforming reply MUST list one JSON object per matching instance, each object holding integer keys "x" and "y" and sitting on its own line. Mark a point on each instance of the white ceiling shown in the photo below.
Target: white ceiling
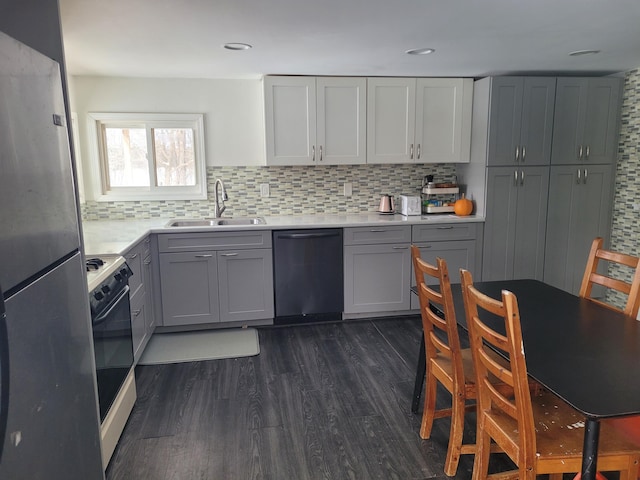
{"x": 184, "y": 38}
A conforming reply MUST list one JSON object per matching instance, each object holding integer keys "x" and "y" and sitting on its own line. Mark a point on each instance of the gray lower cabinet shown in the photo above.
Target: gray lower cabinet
{"x": 138, "y": 258}
{"x": 515, "y": 225}
{"x": 189, "y": 288}
{"x": 457, "y": 244}
{"x": 377, "y": 269}
{"x": 245, "y": 285}
{"x": 216, "y": 277}
{"x": 580, "y": 201}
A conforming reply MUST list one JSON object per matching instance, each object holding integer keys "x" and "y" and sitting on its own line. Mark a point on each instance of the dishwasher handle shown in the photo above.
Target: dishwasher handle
{"x": 296, "y": 236}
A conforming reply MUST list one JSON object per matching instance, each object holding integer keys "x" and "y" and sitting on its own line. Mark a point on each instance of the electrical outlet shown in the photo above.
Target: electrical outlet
{"x": 264, "y": 190}
{"x": 347, "y": 189}
{"x": 636, "y": 207}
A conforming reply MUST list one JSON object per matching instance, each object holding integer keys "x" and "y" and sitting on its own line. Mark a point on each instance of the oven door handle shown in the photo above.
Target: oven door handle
{"x": 103, "y": 316}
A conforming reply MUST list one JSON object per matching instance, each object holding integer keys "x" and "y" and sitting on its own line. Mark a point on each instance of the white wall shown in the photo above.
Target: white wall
{"x": 233, "y": 111}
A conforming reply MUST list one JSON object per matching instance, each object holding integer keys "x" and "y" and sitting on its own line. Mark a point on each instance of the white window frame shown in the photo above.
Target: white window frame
{"x": 101, "y": 190}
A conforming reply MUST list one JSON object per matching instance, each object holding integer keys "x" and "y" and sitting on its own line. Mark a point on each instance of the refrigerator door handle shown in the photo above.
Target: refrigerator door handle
{"x": 4, "y": 374}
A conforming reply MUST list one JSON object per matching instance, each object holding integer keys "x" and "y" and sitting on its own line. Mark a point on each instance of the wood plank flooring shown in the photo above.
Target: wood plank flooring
{"x": 327, "y": 401}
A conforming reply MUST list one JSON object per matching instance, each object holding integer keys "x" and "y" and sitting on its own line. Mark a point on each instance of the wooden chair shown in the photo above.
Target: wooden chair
{"x": 592, "y": 277}
{"x": 629, "y": 427}
{"x": 541, "y": 433}
{"x": 447, "y": 362}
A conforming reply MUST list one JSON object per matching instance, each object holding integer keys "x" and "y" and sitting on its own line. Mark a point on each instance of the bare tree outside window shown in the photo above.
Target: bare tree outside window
{"x": 174, "y": 156}
{"x": 148, "y": 156}
{"x": 127, "y": 157}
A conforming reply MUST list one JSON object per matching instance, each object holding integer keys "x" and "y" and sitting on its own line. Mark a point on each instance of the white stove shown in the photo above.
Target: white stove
{"x": 107, "y": 279}
{"x": 99, "y": 268}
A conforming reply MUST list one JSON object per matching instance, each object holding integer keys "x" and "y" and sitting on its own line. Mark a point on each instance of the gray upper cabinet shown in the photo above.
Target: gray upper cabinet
{"x": 580, "y": 199}
{"x": 423, "y": 120}
{"x": 586, "y": 120}
{"x": 515, "y": 224}
{"x": 315, "y": 121}
{"x": 520, "y": 120}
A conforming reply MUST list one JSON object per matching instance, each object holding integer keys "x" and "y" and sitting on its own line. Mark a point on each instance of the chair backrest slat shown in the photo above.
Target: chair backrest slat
{"x": 592, "y": 277}
{"x": 447, "y": 342}
{"x": 484, "y": 340}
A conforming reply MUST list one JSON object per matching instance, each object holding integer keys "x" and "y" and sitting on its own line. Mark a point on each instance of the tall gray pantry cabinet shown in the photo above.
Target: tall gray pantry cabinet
{"x": 541, "y": 171}
{"x": 585, "y": 140}
{"x": 512, "y": 132}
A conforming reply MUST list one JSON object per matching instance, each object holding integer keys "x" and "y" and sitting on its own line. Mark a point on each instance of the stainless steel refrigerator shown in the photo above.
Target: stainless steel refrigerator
{"x": 49, "y": 425}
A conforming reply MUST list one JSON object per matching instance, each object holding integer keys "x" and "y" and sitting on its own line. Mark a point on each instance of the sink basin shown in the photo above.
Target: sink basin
{"x": 213, "y": 222}
{"x": 241, "y": 221}
{"x": 191, "y": 223}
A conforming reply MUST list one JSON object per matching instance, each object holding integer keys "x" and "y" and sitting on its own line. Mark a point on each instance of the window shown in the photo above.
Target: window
{"x": 148, "y": 156}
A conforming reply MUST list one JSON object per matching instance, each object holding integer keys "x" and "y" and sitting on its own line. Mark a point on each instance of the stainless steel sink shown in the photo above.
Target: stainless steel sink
{"x": 241, "y": 221}
{"x": 214, "y": 222}
{"x": 191, "y": 223}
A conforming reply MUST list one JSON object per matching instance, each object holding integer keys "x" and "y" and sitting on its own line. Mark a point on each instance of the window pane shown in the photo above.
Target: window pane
{"x": 127, "y": 157}
{"x": 175, "y": 157}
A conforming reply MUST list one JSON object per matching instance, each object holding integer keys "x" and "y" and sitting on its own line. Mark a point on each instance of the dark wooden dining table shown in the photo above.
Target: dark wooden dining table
{"x": 586, "y": 354}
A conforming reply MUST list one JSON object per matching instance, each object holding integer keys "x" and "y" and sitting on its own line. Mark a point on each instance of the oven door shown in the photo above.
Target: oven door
{"x": 113, "y": 347}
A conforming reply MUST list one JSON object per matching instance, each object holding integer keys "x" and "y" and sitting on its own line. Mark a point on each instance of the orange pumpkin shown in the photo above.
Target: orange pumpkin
{"x": 463, "y": 207}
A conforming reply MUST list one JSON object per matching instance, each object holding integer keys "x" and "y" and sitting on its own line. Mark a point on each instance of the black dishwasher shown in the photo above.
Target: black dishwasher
{"x": 308, "y": 275}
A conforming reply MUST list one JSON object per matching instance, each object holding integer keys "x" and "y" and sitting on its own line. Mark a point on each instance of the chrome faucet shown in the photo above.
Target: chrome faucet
{"x": 218, "y": 210}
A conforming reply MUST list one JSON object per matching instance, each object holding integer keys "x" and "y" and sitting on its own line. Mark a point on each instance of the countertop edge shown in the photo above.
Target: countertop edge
{"x": 118, "y": 236}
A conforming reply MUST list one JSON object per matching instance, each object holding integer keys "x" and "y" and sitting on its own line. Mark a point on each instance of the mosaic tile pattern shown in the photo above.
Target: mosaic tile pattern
{"x": 293, "y": 191}
{"x": 625, "y": 232}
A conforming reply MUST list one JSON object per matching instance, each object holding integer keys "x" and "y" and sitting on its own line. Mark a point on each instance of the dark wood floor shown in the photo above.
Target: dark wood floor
{"x": 329, "y": 401}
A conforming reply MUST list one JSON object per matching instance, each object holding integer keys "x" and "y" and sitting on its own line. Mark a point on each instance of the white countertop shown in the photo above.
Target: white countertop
{"x": 118, "y": 236}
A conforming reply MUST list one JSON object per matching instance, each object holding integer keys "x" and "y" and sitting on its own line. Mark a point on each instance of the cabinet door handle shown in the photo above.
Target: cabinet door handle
{"x": 524, "y": 153}
{"x": 147, "y": 262}
{"x": 411, "y": 152}
{"x": 418, "y": 151}
{"x": 132, "y": 256}
{"x": 377, "y": 230}
{"x": 320, "y": 152}
{"x": 580, "y": 153}
{"x": 136, "y": 313}
{"x": 228, "y": 254}
{"x": 521, "y": 178}
{"x": 579, "y": 177}
{"x": 587, "y": 152}
{"x": 313, "y": 153}
{"x": 400, "y": 248}
{"x": 206, "y": 255}
{"x": 444, "y": 228}
{"x": 517, "y": 153}
{"x": 515, "y": 178}
{"x": 586, "y": 174}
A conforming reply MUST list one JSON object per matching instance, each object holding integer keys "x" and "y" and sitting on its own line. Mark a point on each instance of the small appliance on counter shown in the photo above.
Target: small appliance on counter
{"x": 387, "y": 205}
{"x": 410, "y": 205}
{"x": 438, "y": 197}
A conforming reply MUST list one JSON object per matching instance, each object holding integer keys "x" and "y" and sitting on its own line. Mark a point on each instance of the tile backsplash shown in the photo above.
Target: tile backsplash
{"x": 293, "y": 191}
{"x": 625, "y": 230}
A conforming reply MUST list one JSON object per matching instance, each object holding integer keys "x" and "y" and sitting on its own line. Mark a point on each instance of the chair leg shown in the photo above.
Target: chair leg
{"x": 455, "y": 434}
{"x": 429, "y": 409}
{"x": 481, "y": 460}
{"x": 555, "y": 476}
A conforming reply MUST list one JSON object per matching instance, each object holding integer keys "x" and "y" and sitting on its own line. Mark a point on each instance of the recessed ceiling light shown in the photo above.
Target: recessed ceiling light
{"x": 237, "y": 46}
{"x": 420, "y": 51}
{"x": 579, "y": 53}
